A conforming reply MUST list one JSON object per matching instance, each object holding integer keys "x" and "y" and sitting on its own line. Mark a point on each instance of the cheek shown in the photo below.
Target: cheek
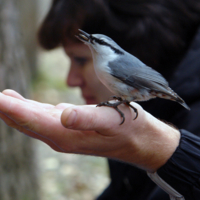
{"x": 98, "y": 89}
{"x": 89, "y": 73}
{"x": 92, "y": 78}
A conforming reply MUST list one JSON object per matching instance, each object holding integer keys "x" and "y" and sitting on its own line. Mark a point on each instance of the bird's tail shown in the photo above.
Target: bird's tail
{"x": 177, "y": 98}
{"x": 182, "y": 102}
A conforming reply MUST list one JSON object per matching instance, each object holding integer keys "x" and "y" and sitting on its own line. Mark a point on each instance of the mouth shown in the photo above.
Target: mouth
{"x": 83, "y": 36}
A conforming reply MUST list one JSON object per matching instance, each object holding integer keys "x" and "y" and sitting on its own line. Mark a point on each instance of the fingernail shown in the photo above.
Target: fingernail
{"x": 71, "y": 119}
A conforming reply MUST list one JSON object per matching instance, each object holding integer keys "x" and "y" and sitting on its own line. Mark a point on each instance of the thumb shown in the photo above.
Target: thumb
{"x": 90, "y": 117}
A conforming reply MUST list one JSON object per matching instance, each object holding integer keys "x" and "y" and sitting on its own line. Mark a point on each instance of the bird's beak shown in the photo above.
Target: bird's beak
{"x": 83, "y": 36}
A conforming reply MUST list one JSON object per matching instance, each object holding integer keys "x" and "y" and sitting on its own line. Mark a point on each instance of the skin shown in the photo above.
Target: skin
{"x": 82, "y": 74}
{"x": 145, "y": 142}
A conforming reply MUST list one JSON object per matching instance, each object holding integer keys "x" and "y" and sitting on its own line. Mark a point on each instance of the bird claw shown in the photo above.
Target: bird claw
{"x": 115, "y": 106}
{"x": 135, "y": 110}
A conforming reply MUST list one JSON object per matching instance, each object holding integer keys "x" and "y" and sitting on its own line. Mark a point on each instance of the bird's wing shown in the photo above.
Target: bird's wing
{"x": 135, "y": 73}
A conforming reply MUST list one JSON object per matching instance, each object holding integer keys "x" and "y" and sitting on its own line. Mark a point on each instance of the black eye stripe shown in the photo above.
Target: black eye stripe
{"x": 101, "y": 42}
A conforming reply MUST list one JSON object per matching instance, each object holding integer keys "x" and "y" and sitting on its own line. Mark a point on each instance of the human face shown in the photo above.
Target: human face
{"x": 82, "y": 74}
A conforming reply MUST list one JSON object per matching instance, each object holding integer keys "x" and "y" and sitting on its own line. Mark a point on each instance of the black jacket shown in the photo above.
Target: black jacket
{"x": 182, "y": 171}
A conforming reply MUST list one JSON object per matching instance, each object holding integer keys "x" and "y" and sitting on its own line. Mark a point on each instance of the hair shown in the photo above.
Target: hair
{"x": 159, "y": 32}
{"x": 64, "y": 19}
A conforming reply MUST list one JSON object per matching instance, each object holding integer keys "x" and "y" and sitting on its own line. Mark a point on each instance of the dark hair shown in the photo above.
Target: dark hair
{"x": 64, "y": 19}
{"x": 158, "y": 32}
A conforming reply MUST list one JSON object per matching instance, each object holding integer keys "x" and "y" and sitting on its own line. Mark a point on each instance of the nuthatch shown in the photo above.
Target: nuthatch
{"x": 125, "y": 75}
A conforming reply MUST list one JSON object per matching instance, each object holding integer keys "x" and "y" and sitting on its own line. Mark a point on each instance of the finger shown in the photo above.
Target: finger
{"x": 95, "y": 118}
{"x": 23, "y": 113}
{"x": 13, "y": 93}
{"x": 43, "y": 124}
{"x": 34, "y": 135}
{"x": 8, "y": 121}
{"x": 31, "y": 119}
{"x": 16, "y": 95}
{"x": 10, "y": 105}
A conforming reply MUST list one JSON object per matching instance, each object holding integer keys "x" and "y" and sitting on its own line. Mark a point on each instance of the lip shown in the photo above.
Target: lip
{"x": 83, "y": 36}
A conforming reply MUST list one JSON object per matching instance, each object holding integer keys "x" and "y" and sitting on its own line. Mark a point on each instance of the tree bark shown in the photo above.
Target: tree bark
{"x": 28, "y": 23}
{"x": 18, "y": 180}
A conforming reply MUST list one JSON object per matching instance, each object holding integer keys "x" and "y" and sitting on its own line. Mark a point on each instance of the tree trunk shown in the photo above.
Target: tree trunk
{"x": 28, "y": 22}
{"x": 18, "y": 179}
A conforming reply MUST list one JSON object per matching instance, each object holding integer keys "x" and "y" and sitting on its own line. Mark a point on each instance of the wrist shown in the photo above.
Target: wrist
{"x": 155, "y": 144}
{"x": 162, "y": 144}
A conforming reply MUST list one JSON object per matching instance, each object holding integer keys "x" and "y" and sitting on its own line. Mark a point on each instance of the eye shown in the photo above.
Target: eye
{"x": 80, "y": 61}
{"x": 100, "y": 41}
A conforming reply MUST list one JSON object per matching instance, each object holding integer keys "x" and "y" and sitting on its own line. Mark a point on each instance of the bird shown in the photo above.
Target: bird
{"x": 125, "y": 75}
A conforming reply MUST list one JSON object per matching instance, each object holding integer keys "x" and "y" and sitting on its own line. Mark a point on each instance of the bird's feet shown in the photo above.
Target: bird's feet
{"x": 116, "y": 104}
{"x": 116, "y": 98}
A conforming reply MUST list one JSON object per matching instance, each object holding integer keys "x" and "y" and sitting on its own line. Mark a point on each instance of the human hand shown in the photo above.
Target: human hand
{"x": 145, "y": 142}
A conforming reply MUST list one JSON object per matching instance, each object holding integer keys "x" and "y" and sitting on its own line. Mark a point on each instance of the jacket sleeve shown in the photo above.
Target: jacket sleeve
{"x": 182, "y": 171}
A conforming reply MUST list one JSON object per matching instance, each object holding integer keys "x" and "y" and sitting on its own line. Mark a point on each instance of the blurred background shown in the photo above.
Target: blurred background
{"x": 29, "y": 169}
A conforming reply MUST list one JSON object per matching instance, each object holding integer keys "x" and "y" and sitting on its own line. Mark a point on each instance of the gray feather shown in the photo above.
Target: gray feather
{"x": 140, "y": 81}
{"x": 135, "y": 73}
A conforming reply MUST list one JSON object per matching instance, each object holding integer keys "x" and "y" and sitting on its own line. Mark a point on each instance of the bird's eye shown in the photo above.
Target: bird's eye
{"x": 100, "y": 41}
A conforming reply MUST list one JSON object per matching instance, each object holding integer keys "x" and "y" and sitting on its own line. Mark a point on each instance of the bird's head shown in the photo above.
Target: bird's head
{"x": 99, "y": 43}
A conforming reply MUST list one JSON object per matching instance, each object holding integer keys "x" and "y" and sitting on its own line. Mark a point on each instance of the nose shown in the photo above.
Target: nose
{"x": 74, "y": 77}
